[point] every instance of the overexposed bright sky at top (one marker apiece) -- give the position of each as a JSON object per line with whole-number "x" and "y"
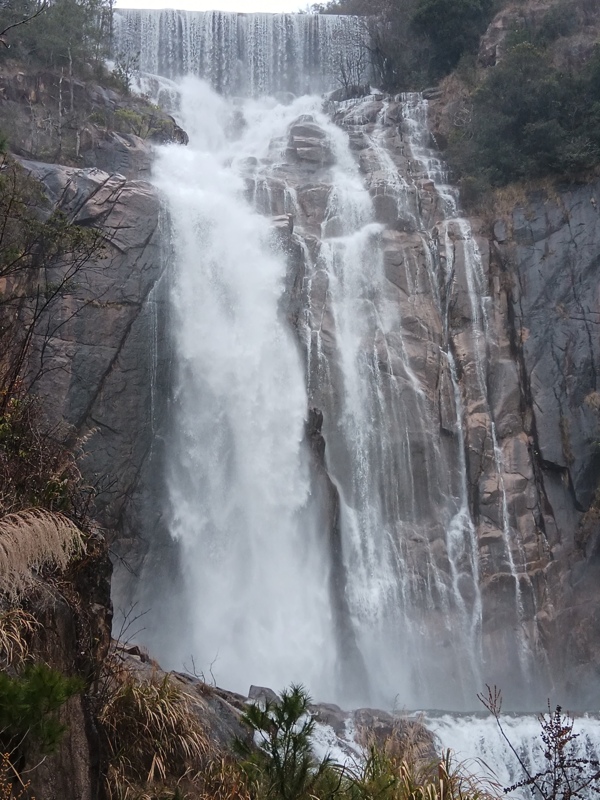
{"x": 249, "y": 6}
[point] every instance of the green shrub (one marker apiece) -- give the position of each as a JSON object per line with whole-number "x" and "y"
{"x": 284, "y": 766}
{"x": 29, "y": 708}
{"x": 453, "y": 27}
{"x": 530, "y": 120}
{"x": 558, "y": 21}
{"x": 129, "y": 121}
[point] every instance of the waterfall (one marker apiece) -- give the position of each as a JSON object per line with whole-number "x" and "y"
{"x": 254, "y": 568}
{"x": 407, "y": 592}
{"x": 319, "y": 473}
{"x": 242, "y": 54}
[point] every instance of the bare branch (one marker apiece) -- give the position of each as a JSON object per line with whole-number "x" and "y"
{"x": 24, "y": 21}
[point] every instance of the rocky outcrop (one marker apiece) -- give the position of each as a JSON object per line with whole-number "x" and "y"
{"x": 308, "y": 142}
{"x": 47, "y": 116}
{"x": 101, "y": 348}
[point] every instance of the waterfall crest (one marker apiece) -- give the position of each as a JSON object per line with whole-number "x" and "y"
{"x": 242, "y": 54}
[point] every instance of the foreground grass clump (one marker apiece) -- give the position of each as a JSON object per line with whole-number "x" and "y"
{"x": 392, "y": 778}
{"x": 285, "y": 768}
{"x": 159, "y": 750}
{"x": 152, "y": 736}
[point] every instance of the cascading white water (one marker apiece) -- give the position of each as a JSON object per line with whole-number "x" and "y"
{"x": 498, "y": 756}
{"x": 395, "y": 484}
{"x": 264, "y": 588}
{"x": 242, "y": 54}
{"x": 256, "y": 561}
{"x": 476, "y": 741}
{"x": 255, "y": 571}
{"x": 456, "y": 233}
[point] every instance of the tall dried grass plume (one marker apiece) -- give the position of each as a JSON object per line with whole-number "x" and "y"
{"x": 16, "y": 626}
{"x": 32, "y": 540}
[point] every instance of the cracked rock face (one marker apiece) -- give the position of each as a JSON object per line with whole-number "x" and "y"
{"x": 553, "y": 257}
{"x": 100, "y": 355}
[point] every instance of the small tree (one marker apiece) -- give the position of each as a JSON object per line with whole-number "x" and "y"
{"x": 40, "y": 258}
{"x": 29, "y": 710}
{"x": 127, "y": 65}
{"x": 42, "y": 253}
{"x": 284, "y": 766}
{"x": 352, "y": 70}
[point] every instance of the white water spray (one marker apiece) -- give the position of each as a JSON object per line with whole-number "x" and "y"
{"x": 476, "y": 741}
{"x": 255, "y": 572}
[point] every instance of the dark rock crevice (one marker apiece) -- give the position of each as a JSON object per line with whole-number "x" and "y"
{"x": 354, "y": 675}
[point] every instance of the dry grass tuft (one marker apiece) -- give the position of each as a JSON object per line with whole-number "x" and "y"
{"x": 16, "y": 626}
{"x": 152, "y": 736}
{"x": 410, "y": 741}
{"x": 388, "y": 777}
{"x": 224, "y": 780}
{"x": 592, "y": 401}
{"x": 31, "y": 540}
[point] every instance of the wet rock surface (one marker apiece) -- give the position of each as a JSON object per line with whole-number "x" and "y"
{"x": 553, "y": 258}
{"x": 527, "y": 385}
{"x": 50, "y": 117}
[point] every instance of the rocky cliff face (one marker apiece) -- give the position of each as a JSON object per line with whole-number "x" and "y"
{"x": 551, "y": 253}
{"x": 101, "y": 347}
{"x": 517, "y": 309}
{"x": 515, "y": 407}
{"x": 73, "y": 613}
{"x": 48, "y": 116}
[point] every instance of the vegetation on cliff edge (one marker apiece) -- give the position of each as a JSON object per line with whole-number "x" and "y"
{"x": 534, "y": 113}
{"x": 528, "y": 119}
{"x": 416, "y": 42}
